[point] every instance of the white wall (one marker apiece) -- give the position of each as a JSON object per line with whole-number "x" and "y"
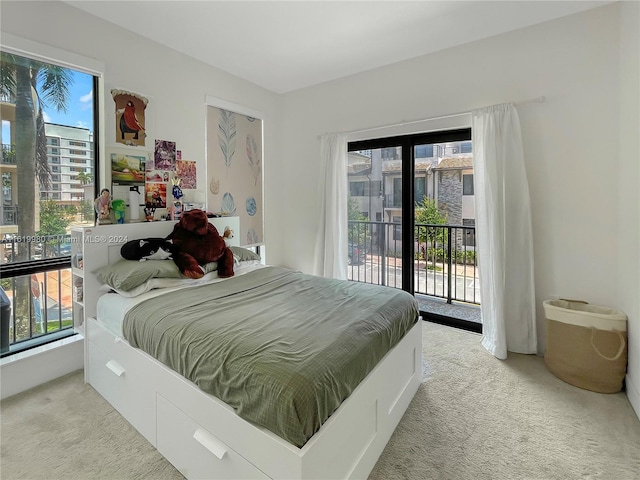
{"x": 628, "y": 273}
{"x": 572, "y": 144}
{"x": 176, "y": 86}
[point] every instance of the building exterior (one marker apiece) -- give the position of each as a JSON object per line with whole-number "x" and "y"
{"x": 442, "y": 173}
{"x": 70, "y": 153}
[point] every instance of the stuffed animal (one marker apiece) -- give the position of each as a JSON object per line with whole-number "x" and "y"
{"x": 197, "y": 242}
{"x": 147, "y": 249}
{"x": 227, "y": 235}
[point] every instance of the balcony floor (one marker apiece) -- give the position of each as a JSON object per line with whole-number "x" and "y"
{"x": 458, "y": 314}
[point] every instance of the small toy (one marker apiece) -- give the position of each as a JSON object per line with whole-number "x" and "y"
{"x": 149, "y": 212}
{"x": 119, "y": 207}
{"x": 102, "y": 206}
{"x": 227, "y": 235}
{"x": 176, "y": 191}
{"x": 147, "y": 249}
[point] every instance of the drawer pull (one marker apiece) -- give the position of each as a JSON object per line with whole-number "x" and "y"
{"x": 115, "y": 367}
{"x": 209, "y": 442}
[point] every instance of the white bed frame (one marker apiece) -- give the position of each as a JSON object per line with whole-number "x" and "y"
{"x": 201, "y": 435}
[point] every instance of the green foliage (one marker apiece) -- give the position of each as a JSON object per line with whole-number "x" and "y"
{"x": 85, "y": 178}
{"x": 354, "y": 211}
{"x": 459, "y": 257}
{"x": 357, "y": 231}
{"x": 86, "y": 210}
{"x": 55, "y": 218}
{"x": 427, "y": 213}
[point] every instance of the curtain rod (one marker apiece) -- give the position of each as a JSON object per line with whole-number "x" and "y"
{"x": 540, "y": 99}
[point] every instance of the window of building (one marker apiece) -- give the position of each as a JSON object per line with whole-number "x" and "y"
{"x": 77, "y": 144}
{"x": 469, "y": 233}
{"x": 76, "y": 152}
{"x": 356, "y": 189}
{"x": 37, "y": 220}
{"x": 424, "y": 151}
{"x": 467, "y": 184}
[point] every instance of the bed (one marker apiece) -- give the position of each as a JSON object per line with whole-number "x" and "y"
{"x": 217, "y": 422}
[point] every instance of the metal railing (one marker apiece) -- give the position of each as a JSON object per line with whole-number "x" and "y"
{"x": 39, "y": 306}
{"x": 37, "y": 291}
{"x": 8, "y": 154}
{"x": 445, "y": 263}
{"x": 37, "y": 247}
{"x": 9, "y": 214}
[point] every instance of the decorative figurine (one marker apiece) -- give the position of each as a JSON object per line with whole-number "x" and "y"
{"x": 119, "y": 207}
{"x": 102, "y": 206}
{"x": 149, "y": 212}
{"x": 176, "y": 191}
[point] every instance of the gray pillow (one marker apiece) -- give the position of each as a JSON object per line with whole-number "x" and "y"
{"x": 128, "y": 274}
{"x": 244, "y": 254}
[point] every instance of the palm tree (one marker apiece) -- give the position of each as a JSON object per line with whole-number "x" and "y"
{"x": 85, "y": 178}
{"x": 20, "y": 78}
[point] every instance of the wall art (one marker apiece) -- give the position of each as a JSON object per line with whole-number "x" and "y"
{"x": 130, "y": 118}
{"x": 234, "y": 166}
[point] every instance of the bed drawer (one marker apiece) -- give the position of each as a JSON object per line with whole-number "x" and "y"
{"x": 123, "y": 384}
{"x": 101, "y": 337}
{"x": 194, "y": 451}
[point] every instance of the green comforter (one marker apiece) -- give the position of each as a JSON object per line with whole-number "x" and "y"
{"x": 283, "y": 348}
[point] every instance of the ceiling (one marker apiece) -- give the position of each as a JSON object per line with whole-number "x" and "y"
{"x": 288, "y": 45}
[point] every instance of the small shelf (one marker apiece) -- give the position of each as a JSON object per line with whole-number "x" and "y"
{"x": 78, "y": 272}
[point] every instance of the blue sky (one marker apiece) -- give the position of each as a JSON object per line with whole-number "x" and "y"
{"x": 79, "y": 106}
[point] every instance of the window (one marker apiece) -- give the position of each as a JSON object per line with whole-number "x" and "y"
{"x": 77, "y": 144}
{"x": 38, "y": 215}
{"x": 467, "y": 184}
{"x": 424, "y": 151}
{"x": 356, "y": 189}
{"x": 420, "y": 188}
{"x": 409, "y": 168}
{"x": 76, "y": 152}
{"x": 469, "y": 233}
{"x": 397, "y": 227}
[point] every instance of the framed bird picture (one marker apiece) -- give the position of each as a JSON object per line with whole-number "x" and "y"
{"x": 130, "y": 118}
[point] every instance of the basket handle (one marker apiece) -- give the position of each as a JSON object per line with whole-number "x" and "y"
{"x": 623, "y": 344}
{"x": 574, "y": 301}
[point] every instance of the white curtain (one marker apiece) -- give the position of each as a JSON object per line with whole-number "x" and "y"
{"x": 331, "y": 242}
{"x": 504, "y": 234}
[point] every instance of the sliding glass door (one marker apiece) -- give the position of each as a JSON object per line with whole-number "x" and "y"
{"x": 411, "y": 215}
{"x": 376, "y": 216}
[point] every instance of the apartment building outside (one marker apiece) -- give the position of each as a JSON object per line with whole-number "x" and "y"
{"x": 442, "y": 172}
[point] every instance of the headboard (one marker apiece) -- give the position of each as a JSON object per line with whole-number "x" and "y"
{"x": 100, "y": 245}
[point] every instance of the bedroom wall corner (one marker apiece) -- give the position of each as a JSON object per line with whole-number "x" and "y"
{"x": 628, "y": 196}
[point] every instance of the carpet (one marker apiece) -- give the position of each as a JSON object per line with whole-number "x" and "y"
{"x": 473, "y": 417}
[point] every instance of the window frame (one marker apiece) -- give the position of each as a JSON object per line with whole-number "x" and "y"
{"x": 16, "y": 45}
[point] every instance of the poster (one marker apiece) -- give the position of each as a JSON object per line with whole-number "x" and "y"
{"x": 130, "y": 118}
{"x": 186, "y": 172}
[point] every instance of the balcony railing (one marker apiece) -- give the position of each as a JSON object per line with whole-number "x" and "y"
{"x": 445, "y": 263}
{"x": 36, "y": 292}
{"x": 8, "y": 154}
{"x": 38, "y": 308}
{"x": 9, "y": 214}
{"x": 37, "y": 248}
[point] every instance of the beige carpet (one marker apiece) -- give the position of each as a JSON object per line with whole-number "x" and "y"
{"x": 474, "y": 417}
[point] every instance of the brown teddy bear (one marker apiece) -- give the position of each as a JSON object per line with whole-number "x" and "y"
{"x": 197, "y": 242}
